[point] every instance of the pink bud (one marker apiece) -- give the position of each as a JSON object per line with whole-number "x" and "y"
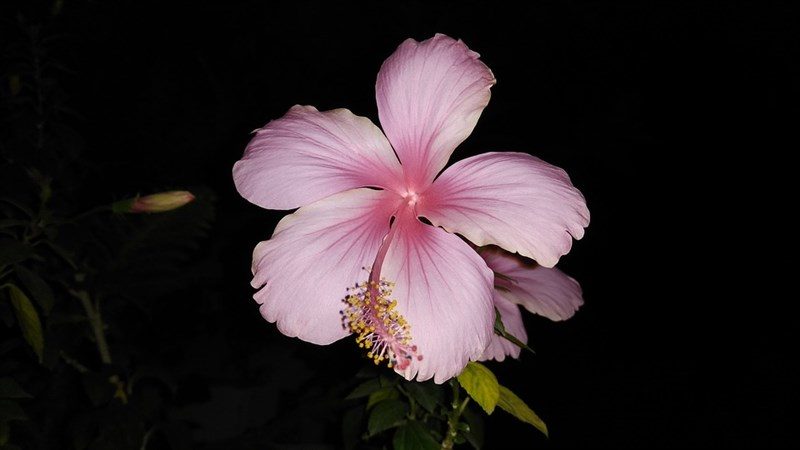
{"x": 161, "y": 202}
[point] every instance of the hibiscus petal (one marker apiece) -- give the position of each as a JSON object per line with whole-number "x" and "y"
{"x": 307, "y": 155}
{"x": 513, "y": 200}
{"x": 512, "y": 321}
{"x": 312, "y": 258}
{"x": 547, "y": 292}
{"x": 430, "y": 95}
{"x": 444, "y": 291}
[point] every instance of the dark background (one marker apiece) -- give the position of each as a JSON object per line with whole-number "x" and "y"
{"x": 663, "y": 114}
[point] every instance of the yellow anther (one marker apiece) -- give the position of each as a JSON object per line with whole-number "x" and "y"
{"x": 371, "y": 315}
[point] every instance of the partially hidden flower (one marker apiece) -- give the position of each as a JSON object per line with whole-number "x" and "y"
{"x": 545, "y": 291}
{"x": 356, "y": 256}
{"x": 154, "y": 203}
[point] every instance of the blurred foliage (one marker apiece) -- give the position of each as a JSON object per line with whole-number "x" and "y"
{"x": 74, "y": 277}
{"x": 413, "y": 415}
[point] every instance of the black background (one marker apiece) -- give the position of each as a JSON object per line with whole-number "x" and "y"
{"x": 663, "y": 114}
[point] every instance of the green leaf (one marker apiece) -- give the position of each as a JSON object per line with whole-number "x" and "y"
{"x": 28, "y": 320}
{"x": 364, "y": 389}
{"x": 500, "y": 330}
{"x": 385, "y": 415}
{"x": 10, "y": 410}
{"x": 427, "y": 394}
{"x": 387, "y": 393}
{"x": 414, "y": 436}
{"x": 37, "y": 287}
{"x": 13, "y": 251}
{"x": 516, "y": 407}
{"x": 481, "y": 384}
{"x": 386, "y": 382}
{"x": 9, "y": 388}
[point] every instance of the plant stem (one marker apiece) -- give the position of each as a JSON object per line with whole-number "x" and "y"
{"x": 74, "y": 363}
{"x": 96, "y": 320}
{"x": 95, "y": 210}
{"x": 411, "y": 402}
{"x": 454, "y": 416}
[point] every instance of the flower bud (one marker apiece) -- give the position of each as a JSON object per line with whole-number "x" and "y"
{"x": 155, "y": 203}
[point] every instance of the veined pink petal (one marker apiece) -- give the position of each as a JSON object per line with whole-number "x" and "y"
{"x": 512, "y": 321}
{"x": 444, "y": 291}
{"x": 547, "y": 292}
{"x": 430, "y": 95}
{"x": 312, "y": 258}
{"x": 308, "y": 155}
{"x": 513, "y": 200}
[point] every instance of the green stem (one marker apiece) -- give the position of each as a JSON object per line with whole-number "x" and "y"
{"x": 74, "y": 363}
{"x": 96, "y": 320}
{"x": 454, "y": 416}
{"x": 411, "y": 402}
{"x": 95, "y": 210}
{"x": 147, "y": 436}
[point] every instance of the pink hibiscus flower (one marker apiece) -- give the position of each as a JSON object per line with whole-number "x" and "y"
{"x": 541, "y": 290}
{"x": 416, "y": 295}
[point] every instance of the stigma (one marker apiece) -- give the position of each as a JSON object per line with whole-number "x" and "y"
{"x": 370, "y": 313}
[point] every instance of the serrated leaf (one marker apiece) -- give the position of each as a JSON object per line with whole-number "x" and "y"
{"x": 514, "y": 405}
{"x": 13, "y": 251}
{"x": 364, "y": 389}
{"x": 414, "y": 436}
{"x": 481, "y": 384}
{"x": 387, "y": 393}
{"x": 10, "y": 410}
{"x": 9, "y": 388}
{"x": 501, "y": 331}
{"x": 37, "y": 287}
{"x": 385, "y": 415}
{"x": 28, "y": 320}
{"x": 427, "y": 394}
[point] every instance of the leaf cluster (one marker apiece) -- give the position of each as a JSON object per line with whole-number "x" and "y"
{"x": 412, "y": 415}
